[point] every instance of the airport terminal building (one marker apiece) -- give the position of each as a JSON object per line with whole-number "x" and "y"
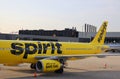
{"x": 111, "y": 37}
{"x": 66, "y": 35}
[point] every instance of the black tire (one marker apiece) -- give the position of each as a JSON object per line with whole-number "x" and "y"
{"x": 33, "y": 66}
{"x": 60, "y": 71}
{"x": 113, "y": 50}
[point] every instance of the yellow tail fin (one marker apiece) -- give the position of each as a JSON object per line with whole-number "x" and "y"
{"x": 100, "y": 36}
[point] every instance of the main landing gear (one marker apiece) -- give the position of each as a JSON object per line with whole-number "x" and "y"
{"x": 33, "y": 66}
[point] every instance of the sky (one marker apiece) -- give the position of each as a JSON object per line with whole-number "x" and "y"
{"x": 57, "y": 14}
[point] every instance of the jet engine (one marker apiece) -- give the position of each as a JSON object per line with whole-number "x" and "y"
{"x": 47, "y": 65}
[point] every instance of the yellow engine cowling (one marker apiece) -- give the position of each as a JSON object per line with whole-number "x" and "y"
{"x": 46, "y": 65}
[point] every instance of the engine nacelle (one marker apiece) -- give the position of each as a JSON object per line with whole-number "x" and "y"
{"x": 47, "y": 65}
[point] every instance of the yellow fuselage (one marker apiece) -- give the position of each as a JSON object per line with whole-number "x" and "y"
{"x": 16, "y": 51}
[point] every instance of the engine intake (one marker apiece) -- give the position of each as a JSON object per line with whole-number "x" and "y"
{"x": 46, "y": 65}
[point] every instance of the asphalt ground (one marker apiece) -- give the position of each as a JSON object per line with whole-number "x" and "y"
{"x": 89, "y": 68}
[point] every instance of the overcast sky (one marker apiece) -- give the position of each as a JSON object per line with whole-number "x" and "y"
{"x": 58, "y": 14}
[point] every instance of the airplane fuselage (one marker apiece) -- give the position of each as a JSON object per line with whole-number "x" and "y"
{"x": 14, "y": 51}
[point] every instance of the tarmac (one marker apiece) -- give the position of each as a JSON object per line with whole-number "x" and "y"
{"x": 89, "y": 68}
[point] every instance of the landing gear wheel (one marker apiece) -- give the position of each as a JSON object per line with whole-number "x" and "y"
{"x": 60, "y": 71}
{"x": 113, "y": 50}
{"x": 33, "y": 66}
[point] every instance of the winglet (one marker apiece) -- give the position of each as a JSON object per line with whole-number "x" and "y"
{"x": 100, "y": 36}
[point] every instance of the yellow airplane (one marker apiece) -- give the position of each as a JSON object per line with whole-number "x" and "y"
{"x": 50, "y": 56}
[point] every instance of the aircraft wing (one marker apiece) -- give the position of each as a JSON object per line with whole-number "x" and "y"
{"x": 81, "y": 56}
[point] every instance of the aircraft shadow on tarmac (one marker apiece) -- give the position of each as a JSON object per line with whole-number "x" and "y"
{"x": 32, "y": 71}
{"x": 72, "y": 75}
{"x": 76, "y": 75}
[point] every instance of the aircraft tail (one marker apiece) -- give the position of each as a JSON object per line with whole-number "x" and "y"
{"x": 100, "y": 36}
